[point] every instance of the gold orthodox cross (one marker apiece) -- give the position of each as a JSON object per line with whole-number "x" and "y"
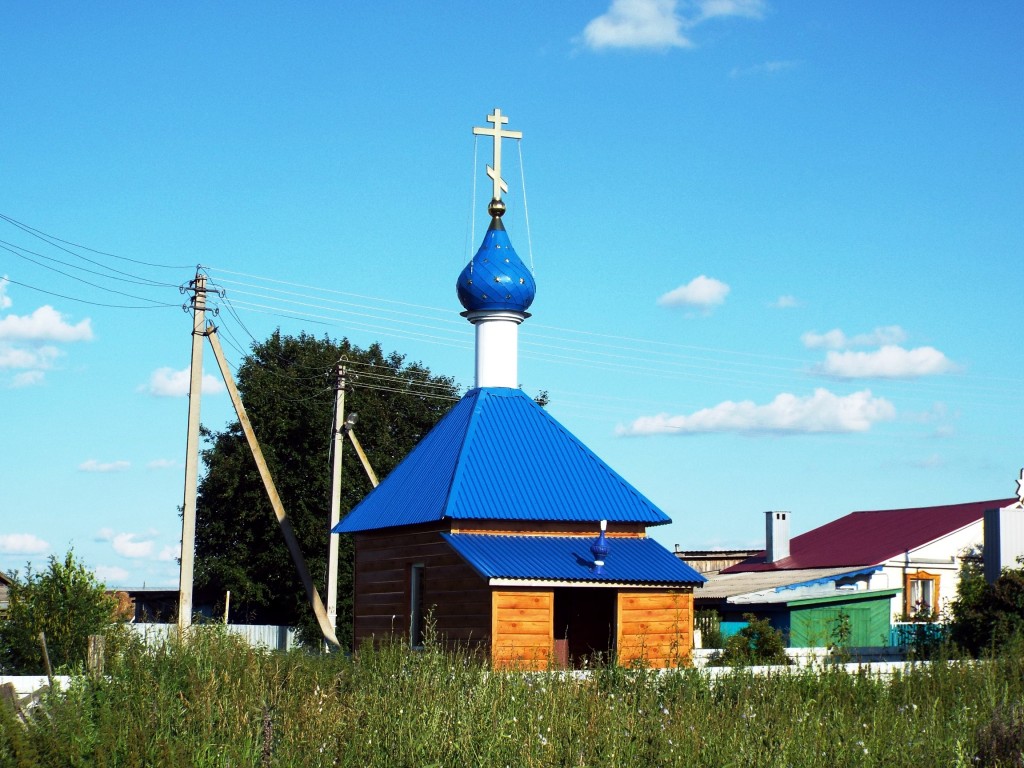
{"x": 494, "y": 171}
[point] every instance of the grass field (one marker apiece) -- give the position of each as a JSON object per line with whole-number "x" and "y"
{"x": 217, "y": 702}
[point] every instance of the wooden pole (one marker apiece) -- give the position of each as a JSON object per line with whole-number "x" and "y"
{"x": 338, "y": 436}
{"x": 227, "y": 605}
{"x": 46, "y": 658}
{"x": 188, "y": 516}
{"x": 94, "y": 659}
{"x": 362, "y": 458}
{"x": 275, "y": 499}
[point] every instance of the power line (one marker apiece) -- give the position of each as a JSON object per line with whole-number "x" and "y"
{"x": 16, "y": 249}
{"x": 154, "y": 305}
{"x": 40, "y": 234}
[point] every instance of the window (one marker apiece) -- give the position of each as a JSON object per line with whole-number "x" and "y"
{"x": 921, "y": 595}
{"x": 416, "y": 605}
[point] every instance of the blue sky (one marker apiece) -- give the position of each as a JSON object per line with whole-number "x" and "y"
{"x": 778, "y": 246}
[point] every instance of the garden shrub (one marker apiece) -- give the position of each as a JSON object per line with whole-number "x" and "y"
{"x": 757, "y": 643}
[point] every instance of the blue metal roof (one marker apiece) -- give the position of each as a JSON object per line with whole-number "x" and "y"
{"x": 497, "y": 455}
{"x": 496, "y": 277}
{"x": 568, "y": 558}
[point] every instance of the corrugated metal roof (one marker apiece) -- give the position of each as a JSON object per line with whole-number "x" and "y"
{"x": 497, "y": 455}
{"x": 568, "y": 559}
{"x": 724, "y": 585}
{"x": 872, "y": 537}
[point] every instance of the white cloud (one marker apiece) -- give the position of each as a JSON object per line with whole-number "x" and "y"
{"x": 163, "y": 464}
{"x": 167, "y": 382}
{"x": 929, "y": 462}
{"x": 125, "y": 544}
{"x": 23, "y": 340}
{"x": 170, "y": 553}
{"x": 786, "y": 414}
{"x": 889, "y": 362}
{"x": 637, "y": 24}
{"x": 45, "y": 324}
{"x": 27, "y": 379}
{"x": 764, "y": 68}
{"x": 711, "y": 9}
{"x": 110, "y": 573}
{"x": 37, "y": 358}
{"x": 836, "y": 339}
{"x": 786, "y": 302}
{"x": 92, "y": 465}
{"x": 703, "y": 292}
{"x": 22, "y": 544}
{"x": 104, "y": 534}
{"x": 659, "y": 24}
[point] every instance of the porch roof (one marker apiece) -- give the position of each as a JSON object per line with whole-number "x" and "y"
{"x": 639, "y": 561}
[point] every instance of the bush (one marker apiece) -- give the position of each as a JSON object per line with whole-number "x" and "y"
{"x": 987, "y": 616}
{"x": 67, "y": 603}
{"x": 757, "y": 643}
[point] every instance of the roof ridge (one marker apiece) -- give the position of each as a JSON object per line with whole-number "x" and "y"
{"x": 460, "y": 463}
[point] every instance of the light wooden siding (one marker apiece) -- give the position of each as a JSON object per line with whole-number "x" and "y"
{"x": 522, "y": 628}
{"x": 655, "y": 627}
{"x": 453, "y": 592}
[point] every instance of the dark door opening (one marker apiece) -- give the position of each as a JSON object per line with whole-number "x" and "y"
{"x": 584, "y": 625}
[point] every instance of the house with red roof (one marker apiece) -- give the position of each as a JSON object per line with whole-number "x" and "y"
{"x": 872, "y": 566}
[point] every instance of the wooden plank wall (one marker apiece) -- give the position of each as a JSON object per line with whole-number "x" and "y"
{"x": 522, "y": 628}
{"x": 656, "y": 627}
{"x": 459, "y": 598}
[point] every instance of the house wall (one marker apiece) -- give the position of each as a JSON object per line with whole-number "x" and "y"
{"x": 655, "y": 626}
{"x": 522, "y": 628}
{"x": 941, "y": 557}
{"x": 453, "y": 593}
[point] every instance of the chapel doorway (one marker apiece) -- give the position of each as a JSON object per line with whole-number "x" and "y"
{"x": 584, "y": 624}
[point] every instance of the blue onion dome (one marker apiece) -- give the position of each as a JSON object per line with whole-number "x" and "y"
{"x": 496, "y": 277}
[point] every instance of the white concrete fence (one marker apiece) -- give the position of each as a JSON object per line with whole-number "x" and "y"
{"x": 270, "y": 636}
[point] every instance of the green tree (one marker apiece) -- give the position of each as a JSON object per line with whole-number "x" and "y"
{"x": 66, "y": 602}
{"x": 287, "y": 386}
{"x": 987, "y": 615}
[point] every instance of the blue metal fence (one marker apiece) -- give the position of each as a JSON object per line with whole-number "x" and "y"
{"x": 919, "y": 633}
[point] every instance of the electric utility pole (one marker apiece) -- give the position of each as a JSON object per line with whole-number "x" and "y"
{"x": 338, "y": 434}
{"x": 188, "y": 518}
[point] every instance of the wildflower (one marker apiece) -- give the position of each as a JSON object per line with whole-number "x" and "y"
{"x": 543, "y": 741}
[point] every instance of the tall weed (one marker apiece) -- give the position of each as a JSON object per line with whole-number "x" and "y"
{"x": 213, "y": 701}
